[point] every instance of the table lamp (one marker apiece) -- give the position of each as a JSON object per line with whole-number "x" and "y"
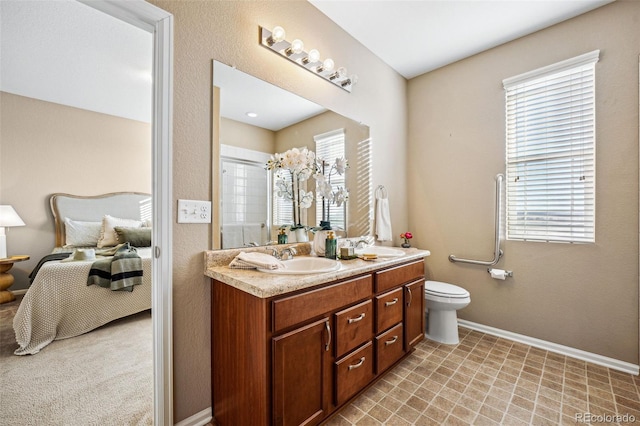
{"x": 8, "y": 218}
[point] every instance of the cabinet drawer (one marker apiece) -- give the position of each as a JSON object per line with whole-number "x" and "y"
{"x": 353, "y": 326}
{"x": 389, "y": 309}
{"x": 402, "y": 274}
{"x": 389, "y": 347}
{"x": 293, "y": 310}
{"x": 353, "y": 373}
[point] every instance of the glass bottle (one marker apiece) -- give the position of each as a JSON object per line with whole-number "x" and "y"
{"x": 330, "y": 245}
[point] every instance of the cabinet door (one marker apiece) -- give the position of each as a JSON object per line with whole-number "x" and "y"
{"x": 413, "y": 313}
{"x": 302, "y": 374}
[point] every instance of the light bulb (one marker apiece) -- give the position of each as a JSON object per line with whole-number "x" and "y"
{"x": 340, "y": 73}
{"x": 296, "y": 47}
{"x": 328, "y": 65}
{"x": 277, "y": 35}
{"x": 313, "y": 57}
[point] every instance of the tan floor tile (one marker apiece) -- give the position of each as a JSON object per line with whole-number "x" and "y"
{"x": 486, "y": 380}
{"x": 379, "y": 413}
{"x": 436, "y": 413}
{"x": 408, "y": 413}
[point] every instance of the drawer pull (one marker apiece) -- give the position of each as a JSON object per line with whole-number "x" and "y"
{"x": 328, "y": 328}
{"x": 392, "y": 341}
{"x": 357, "y": 365}
{"x": 392, "y": 302}
{"x": 410, "y": 297}
{"x": 356, "y": 319}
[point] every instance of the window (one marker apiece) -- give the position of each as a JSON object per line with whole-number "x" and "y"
{"x": 282, "y": 206}
{"x": 329, "y": 146}
{"x": 550, "y": 129}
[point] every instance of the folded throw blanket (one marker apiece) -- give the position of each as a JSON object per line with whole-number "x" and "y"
{"x": 121, "y": 271}
{"x": 253, "y": 260}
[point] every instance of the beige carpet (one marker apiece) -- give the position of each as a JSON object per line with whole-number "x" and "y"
{"x": 104, "y": 377}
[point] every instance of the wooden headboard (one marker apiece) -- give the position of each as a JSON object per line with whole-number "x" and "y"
{"x": 126, "y": 205}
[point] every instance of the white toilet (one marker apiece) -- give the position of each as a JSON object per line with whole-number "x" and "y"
{"x": 442, "y": 300}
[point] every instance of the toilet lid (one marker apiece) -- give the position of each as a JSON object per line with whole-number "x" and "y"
{"x": 438, "y": 288}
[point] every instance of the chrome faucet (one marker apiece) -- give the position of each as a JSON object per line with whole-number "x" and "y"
{"x": 288, "y": 253}
{"x": 285, "y": 254}
{"x": 365, "y": 243}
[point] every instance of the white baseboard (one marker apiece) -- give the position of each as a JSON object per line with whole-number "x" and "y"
{"x": 199, "y": 419}
{"x": 604, "y": 361}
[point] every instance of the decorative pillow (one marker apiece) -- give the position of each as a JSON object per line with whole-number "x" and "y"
{"x": 137, "y": 237}
{"x": 108, "y": 236}
{"x": 81, "y": 234}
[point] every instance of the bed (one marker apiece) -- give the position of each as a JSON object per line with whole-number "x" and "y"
{"x": 59, "y": 304}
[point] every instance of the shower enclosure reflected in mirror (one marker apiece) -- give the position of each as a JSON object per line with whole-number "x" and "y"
{"x": 254, "y": 119}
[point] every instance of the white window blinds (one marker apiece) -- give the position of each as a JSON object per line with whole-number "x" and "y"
{"x": 550, "y": 155}
{"x": 329, "y": 146}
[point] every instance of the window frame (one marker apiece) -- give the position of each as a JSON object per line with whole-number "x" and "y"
{"x": 550, "y": 123}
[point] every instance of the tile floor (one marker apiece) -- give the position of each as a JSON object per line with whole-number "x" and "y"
{"x": 486, "y": 380}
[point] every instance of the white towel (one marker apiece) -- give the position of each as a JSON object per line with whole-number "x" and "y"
{"x": 253, "y": 260}
{"x": 383, "y": 218}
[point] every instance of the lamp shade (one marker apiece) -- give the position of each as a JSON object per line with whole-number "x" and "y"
{"x": 9, "y": 217}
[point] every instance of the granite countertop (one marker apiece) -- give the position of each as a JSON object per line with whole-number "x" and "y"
{"x": 266, "y": 285}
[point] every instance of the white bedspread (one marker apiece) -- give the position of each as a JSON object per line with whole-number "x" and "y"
{"x": 59, "y": 304}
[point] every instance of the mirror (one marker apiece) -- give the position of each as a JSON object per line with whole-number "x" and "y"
{"x": 254, "y": 119}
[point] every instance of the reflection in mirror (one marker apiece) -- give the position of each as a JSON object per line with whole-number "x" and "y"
{"x": 256, "y": 119}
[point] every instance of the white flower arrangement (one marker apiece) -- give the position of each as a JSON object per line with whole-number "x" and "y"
{"x": 325, "y": 189}
{"x": 301, "y": 164}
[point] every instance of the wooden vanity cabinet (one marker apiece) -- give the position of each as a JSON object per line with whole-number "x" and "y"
{"x": 301, "y": 374}
{"x": 414, "y": 316}
{"x": 296, "y": 358}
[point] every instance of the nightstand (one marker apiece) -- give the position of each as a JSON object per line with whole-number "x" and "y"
{"x": 6, "y": 279}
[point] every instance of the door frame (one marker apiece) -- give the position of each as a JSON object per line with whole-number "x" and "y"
{"x": 160, "y": 24}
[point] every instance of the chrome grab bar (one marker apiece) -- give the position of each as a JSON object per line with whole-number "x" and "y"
{"x": 497, "y": 254}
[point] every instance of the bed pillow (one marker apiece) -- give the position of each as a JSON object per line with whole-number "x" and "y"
{"x": 108, "y": 236}
{"x": 81, "y": 234}
{"x": 137, "y": 237}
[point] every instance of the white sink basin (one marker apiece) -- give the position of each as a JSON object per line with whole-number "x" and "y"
{"x": 305, "y": 265}
{"x": 380, "y": 251}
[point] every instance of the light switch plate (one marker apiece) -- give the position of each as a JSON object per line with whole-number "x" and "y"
{"x": 194, "y": 211}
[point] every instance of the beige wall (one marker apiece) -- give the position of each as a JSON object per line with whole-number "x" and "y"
{"x": 228, "y": 31}
{"x": 47, "y": 148}
{"x": 243, "y": 135}
{"x": 356, "y": 146}
{"x": 584, "y": 295}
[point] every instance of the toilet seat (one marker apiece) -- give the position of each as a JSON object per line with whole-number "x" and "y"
{"x": 437, "y": 288}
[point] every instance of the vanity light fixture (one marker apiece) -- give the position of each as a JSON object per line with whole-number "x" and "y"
{"x": 275, "y": 40}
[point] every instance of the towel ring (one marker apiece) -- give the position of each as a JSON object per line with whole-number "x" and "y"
{"x": 381, "y": 192}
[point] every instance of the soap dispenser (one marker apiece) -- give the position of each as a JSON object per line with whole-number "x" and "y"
{"x": 282, "y": 237}
{"x": 330, "y": 245}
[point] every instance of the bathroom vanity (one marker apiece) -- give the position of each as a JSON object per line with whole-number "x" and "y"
{"x": 293, "y": 349}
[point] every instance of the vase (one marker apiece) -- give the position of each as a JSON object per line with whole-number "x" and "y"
{"x": 405, "y": 245}
{"x": 301, "y": 235}
{"x": 325, "y": 225}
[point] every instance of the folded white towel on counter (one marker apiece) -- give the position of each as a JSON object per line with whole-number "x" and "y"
{"x": 383, "y": 218}
{"x": 253, "y": 260}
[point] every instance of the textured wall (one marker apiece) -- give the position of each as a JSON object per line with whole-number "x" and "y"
{"x": 580, "y": 295}
{"x": 228, "y": 31}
